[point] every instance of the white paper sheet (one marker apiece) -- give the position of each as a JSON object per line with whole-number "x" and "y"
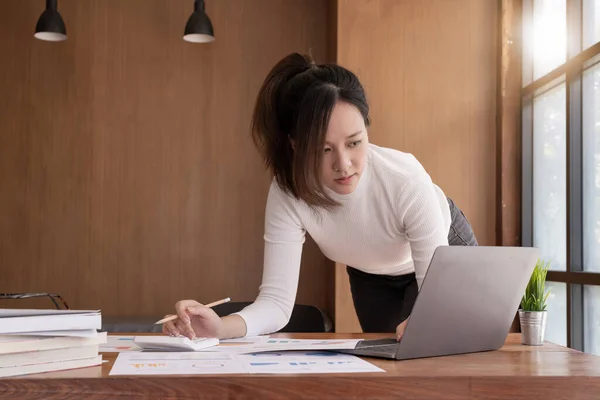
{"x": 180, "y": 363}
{"x": 311, "y": 362}
{"x": 247, "y": 339}
{"x": 117, "y": 344}
{"x": 277, "y": 344}
{"x": 198, "y": 363}
{"x": 245, "y": 345}
{"x": 239, "y": 345}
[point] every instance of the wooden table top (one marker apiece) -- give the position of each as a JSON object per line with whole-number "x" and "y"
{"x": 515, "y": 371}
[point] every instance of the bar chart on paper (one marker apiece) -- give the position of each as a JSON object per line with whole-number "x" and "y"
{"x": 175, "y": 363}
{"x": 297, "y": 362}
{"x": 197, "y": 363}
{"x": 270, "y": 345}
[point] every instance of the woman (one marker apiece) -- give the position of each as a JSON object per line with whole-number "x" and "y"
{"x": 374, "y": 209}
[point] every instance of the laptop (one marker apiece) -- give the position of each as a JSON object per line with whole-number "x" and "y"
{"x": 466, "y": 304}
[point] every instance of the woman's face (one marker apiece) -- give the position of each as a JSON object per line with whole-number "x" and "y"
{"x": 345, "y": 149}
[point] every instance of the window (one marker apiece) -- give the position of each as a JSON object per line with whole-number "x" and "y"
{"x": 549, "y": 175}
{"x": 592, "y": 319}
{"x": 556, "y": 324}
{"x": 561, "y": 161}
{"x": 549, "y": 35}
{"x": 591, "y": 22}
{"x": 591, "y": 168}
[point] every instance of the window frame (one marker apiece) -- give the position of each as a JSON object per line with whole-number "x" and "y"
{"x": 571, "y": 72}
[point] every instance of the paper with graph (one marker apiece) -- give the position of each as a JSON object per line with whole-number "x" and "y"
{"x": 250, "y": 355}
{"x": 123, "y": 343}
{"x": 279, "y": 344}
{"x": 176, "y": 363}
{"x": 308, "y": 362}
{"x": 199, "y": 362}
{"x": 119, "y": 343}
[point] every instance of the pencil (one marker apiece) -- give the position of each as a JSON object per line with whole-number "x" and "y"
{"x": 174, "y": 317}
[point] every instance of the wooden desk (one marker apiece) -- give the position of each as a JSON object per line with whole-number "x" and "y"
{"x": 513, "y": 372}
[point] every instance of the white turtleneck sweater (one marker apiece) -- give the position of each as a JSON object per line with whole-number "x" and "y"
{"x": 390, "y": 224}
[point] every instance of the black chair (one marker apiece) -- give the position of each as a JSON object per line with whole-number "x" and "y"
{"x": 304, "y": 318}
{"x": 133, "y": 324}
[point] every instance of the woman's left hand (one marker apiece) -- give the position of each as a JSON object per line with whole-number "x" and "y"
{"x": 400, "y": 329}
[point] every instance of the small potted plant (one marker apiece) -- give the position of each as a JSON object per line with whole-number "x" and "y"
{"x": 533, "y": 314}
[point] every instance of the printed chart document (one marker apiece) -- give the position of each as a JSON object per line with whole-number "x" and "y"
{"x": 310, "y": 362}
{"x": 122, "y": 343}
{"x": 248, "y": 355}
{"x": 117, "y": 344}
{"x": 278, "y": 344}
{"x": 198, "y": 363}
{"x": 239, "y": 345}
{"x": 170, "y": 363}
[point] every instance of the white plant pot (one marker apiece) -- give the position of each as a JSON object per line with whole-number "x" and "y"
{"x": 533, "y": 327}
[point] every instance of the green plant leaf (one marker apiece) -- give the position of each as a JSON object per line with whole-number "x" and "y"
{"x": 535, "y": 298}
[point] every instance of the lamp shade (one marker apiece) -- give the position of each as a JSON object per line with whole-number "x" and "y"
{"x": 50, "y": 25}
{"x": 199, "y": 29}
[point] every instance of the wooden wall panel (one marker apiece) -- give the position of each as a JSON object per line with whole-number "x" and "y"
{"x": 128, "y": 180}
{"x": 429, "y": 69}
{"x": 509, "y": 144}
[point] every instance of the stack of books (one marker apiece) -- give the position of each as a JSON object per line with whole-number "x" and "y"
{"x": 36, "y": 341}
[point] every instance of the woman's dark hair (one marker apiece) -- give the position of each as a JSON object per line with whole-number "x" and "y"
{"x": 294, "y": 104}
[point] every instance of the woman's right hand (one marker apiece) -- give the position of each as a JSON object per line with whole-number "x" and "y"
{"x": 194, "y": 321}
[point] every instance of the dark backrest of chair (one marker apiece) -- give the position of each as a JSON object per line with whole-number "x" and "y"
{"x": 304, "y": 318}
{"x": 131, "y": 324}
